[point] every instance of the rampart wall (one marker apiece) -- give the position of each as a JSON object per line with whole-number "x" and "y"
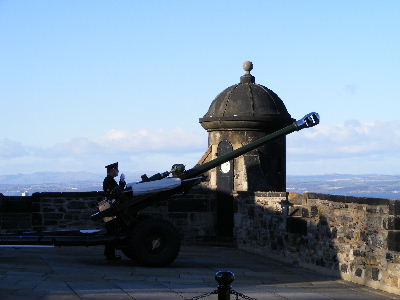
{"x": 355, "y": 238}
{"x": 191, "y": 213}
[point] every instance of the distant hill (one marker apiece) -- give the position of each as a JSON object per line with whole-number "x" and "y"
{"x": 377, "y": 186}
{"x": 59, "y": 177}
{"x": 49, "y": 177}
{"x": 18, "y": 184}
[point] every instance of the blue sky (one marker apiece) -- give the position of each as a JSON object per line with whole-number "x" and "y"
{"x": 86, "y": 83}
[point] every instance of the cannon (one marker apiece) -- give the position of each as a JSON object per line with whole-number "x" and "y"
{"x": 140, "y": 195}
{"x": 147, "y": 240}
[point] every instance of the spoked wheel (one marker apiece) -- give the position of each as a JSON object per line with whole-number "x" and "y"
{"x": 153, "y": 242}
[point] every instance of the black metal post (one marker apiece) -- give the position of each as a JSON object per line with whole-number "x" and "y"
{"x": 224, "y": 279}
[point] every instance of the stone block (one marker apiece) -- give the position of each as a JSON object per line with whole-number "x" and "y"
{"x": 76, "y": 205}
{"x": 394, "y": 207}
{"x": 35, "y": 206}
{"x": 372, "y": 210}
{"x": 61, "y": 209}
{"x": 319, "y": 261}
{"x": 296, "y": 198}
{"x": 345, "y": 219}
{"x": 251, "y": 211}
{"x": 92, "y": 204}
{"x": 185, "y": 205}
{"x": 359, "y": 253}
{"x": 393, "y": 258}
{"x": 179, "y": 216}
{"x": 46, "y": 200}
{"x": 48, "y": 209}
{"x": 375, "y": 274}
{"x": 393, "y": 241}
{"x": 59, "y": 200}
{"x": 296, "y": 211}
{"x": 52, "y": 216}
{"x": 393, "y": 223}
{"x": 201, "y": 218}
{"x": 16, "y": 204}
{"x": 389, "y": 257}
{"x": 314, "y": 211}
{"x": 36, "y": 219}
{"x": 296, "y": 225}
{"x": 282, "y": 195}
{"x": 392, "y": 281}
{"x": 344, "y": 268}
{"x": 16, "y": 221}
{"x": 333, "y": 234}
{"x": 38, "y": 228}
{"x": 50, "y": 222}
{"x": 371, "y": 260}
{"x": 305, "y": 213}
{"x": 358, "y": 272}
{"x": 315, "y": 196}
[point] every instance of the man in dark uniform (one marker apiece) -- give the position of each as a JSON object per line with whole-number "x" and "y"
{"x": 110, "y": 186}
{"x": 112, "y": 190}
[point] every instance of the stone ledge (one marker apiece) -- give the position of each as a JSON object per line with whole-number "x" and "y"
{"x": 68, "y": 194}
{"x": 371, "y": 283}
{"x": 262, "y": 194}
{"x": 349, "y": 199}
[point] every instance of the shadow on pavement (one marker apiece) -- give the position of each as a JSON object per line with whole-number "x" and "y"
{"x": 82, "y": 273}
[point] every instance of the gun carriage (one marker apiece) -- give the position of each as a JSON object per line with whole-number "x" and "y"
{"x": 148, "y": 241}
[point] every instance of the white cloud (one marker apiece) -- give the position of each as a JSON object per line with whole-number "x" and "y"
{"x": 143, "y": 149}
{"x": 121, "y": 141}
{"x": 11, "y": 149}
{"x": 176, "y": 139}
{"x": 351, "y": 139}
{"x": 352, "y": 147}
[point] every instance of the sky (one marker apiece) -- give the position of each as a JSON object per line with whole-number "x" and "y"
{"x": 87, "y": 83}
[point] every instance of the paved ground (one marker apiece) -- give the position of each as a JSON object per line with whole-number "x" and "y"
{"x": 82, "y": 273}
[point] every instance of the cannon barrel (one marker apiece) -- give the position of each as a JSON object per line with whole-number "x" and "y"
{"x": 307, "y": 121}
{"x": 191, "y": 177}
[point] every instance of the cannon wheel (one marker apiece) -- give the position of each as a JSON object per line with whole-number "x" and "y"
{"x": 153, "y": 242}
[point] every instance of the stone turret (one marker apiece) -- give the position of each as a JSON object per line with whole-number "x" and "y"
{"x": 238, "y": 115}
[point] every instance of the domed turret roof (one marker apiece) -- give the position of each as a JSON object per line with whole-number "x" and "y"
{"x": 246, "y": 105}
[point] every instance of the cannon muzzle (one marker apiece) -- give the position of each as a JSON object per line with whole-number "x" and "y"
{"x": 309, "y": 120}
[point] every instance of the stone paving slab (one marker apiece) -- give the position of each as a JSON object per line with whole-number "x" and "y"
{"x": 98, "y": 290}
{"x": 142, "y": 290}
{"x": 81, "y": 273}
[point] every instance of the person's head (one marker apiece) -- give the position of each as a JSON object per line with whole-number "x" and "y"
{"x": 112, "y": 170}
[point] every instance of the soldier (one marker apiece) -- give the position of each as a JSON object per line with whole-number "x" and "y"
{"x": 110, "y": 186}
{"x": 112, "y": 190}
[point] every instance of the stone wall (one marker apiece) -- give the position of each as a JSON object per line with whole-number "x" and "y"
{"x": 48, "y": 211}
{"x": 356, "y": 238}
{"x": 192, "y": 213}
{"x": 16, "y": 213}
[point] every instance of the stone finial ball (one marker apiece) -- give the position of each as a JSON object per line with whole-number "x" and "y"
{"x": 247, "y": 66}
